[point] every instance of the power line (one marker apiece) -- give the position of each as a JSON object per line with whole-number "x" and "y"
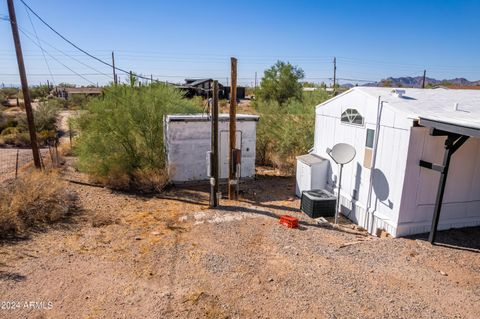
{"x": 25, "y": 34}
{"x": 80, "y": 49}
{"x": 43, "y": 53}
{"x": 71, "y": 57}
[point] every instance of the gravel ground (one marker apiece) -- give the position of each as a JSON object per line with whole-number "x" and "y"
{"x": 169, "y": 256}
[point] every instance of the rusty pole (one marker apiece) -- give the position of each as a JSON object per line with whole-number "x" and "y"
{"x": 23, "y": 80}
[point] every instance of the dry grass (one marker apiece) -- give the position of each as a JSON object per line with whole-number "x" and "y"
{"x": 65, "y": 149}
{"x": 35, "y": 199}
{"x": 142, "y": 180}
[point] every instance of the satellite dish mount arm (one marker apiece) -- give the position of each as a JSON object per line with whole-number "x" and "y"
{"x": 337, "y": 209}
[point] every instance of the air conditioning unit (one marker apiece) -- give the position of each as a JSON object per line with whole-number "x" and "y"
{"x": 318, "y": 203}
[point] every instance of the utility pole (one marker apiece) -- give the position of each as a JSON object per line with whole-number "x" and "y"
{"x": 214, "y": 146}
{"x": 424, "y": 77}
{"x": 113, "y": 68}
{"x": 334, "y": 75}
{"x": 233, "y": 129}
{"x": 255, "y": 80}
{"x": 23, "y": 80}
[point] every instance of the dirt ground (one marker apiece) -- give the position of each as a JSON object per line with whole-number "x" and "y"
{"x": 169, "y": 256}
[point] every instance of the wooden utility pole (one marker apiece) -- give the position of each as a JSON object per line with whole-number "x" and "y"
{"x": 334, "y": 75}
{"x": 233, "y": 129}
{"x": 424, "y": 78}
{"x": 23, "y": 79}
{"x": 214, "y": 148}
{"x": 255, "y": 80}
{"x": 113, "y": 68}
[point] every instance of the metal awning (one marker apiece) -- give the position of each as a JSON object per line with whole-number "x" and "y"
{"x": 456, "y": 136}
{"x": 450, "y": 127}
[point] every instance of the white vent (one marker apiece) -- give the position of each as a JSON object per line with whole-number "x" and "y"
{"x": 397, "y": 92}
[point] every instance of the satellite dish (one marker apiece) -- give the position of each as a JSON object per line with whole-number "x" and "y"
{"x": 342, "y": 153}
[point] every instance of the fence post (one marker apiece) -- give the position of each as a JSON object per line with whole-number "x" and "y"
{"x": 16, "y": 164}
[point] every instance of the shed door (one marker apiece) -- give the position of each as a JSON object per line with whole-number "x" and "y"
{"x": 224, "y": 151}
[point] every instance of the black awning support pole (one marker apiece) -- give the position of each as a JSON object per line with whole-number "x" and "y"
{"x": 452, "y": 144}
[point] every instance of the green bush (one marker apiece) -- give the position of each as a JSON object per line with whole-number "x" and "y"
{"x": 46, "y": 116}
{"x": 3, "y": 121}
{"x": 39, "y": 91}
{"x": 78, "y": 101}
{"x": 286, "y": 131}
{"x": 120, "y": 141}
{"x": 58, "y": 103}
{"x": 281, "y": 83}
{"x": 9, "y": 130}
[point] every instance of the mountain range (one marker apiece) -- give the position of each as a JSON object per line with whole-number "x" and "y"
{"x": 416, "y": 82}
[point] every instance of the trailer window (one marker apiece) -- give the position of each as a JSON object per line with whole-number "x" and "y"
{"x": 351, "y": 116}
{"x": 368, "y": 156}
{"x": 370, "y": 138}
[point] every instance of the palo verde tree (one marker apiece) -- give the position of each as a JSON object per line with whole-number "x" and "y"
{"x": 121, "y": 135}
{"x": 281, "y": 82}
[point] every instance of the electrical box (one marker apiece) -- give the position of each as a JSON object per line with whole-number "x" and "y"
{"x": 311, "y": 173}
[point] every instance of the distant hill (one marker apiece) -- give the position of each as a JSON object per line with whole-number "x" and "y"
{"x": 416, "y": 82}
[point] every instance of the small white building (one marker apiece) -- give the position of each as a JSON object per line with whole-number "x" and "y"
{"x": 403, "y": 139}
{"x": 188, "y": 139}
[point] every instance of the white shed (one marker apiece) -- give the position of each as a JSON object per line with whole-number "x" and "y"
{"x": 188, "y": 138}
{"x": 403, "y": 139}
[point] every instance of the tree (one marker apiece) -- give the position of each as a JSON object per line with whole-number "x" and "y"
{"x": 386, "y": 83}
{"x": 121, "y": 136}
{"x": 281, "y": 82}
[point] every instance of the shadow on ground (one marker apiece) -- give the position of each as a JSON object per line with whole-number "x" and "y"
{"x": 467, "y": 239}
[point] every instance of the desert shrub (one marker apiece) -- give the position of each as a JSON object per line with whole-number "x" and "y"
{"x": 65, "y": 149}
{"x": 9, "y": 130}
{"x": 39, "y": 91}
{"x": 77, "y": 101}
{"x": 286, "y": 131}
{"x": 3, "y": 121}
{"x": 35, "y": 199}
{"x": 46, "y": 116}
{"x": 58, "y": 103}
{"x": 120, "y": 140}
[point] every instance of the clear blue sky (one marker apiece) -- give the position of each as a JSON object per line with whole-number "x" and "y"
{"x": 177, "y": 39}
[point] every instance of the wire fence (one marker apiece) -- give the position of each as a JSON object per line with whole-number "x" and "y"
{"x": 16, "y": 161}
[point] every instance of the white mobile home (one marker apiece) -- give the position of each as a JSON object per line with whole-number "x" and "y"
{"x": 407, "y": 142}
{"x": 187, "y": 141}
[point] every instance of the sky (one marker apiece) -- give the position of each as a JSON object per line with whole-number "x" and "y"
{"x": 174, "y": 40}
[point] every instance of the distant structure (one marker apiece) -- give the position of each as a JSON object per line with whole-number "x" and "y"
{"x": 66, "y": 93}
{"x": 202, "y": 87}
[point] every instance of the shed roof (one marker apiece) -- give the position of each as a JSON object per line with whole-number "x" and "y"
{"x": 82, "y": 90}
{"x": 436, "y": 105}
{"x": 206, "y": 117}
{"x": 192, "y": 82}
{"x": 310, "y": 159}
